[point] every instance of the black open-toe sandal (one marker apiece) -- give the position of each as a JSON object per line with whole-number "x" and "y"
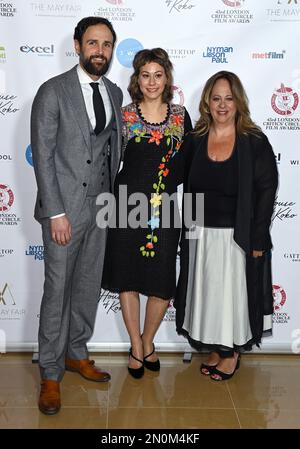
{"x": 208, "y": 368}
{"x": 225, "y": 376}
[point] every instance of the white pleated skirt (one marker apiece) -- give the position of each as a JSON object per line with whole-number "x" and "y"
{"x": 216, "y": 301}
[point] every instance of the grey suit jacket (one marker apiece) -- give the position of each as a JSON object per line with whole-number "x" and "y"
{"x": 60, "y": 141}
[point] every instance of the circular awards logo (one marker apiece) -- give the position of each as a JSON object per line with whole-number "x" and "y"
{"x": 235, "y": 4}
{"x": 28, "y": 155}
{"x": 126, "y": 51}
{"x": 284, "y": 100}
{"x": 178, "y": 95}
{"x": 115, "y": 2}
{"x": 6, "y": 198}
{"x": 279, "y": 296}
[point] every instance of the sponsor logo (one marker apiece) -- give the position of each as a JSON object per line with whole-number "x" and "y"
{"x": 28, "y": 155}
{"x": 6, "y": 296}
{"x": 179, "y": 6}
{"x": 38, "y": 50}
{"x": 232, "y": 15}
{"x": 115, "y": 2}
{"x": 5, "y": 157}
{"x": 6, "y": 252}
{"x": 236, "y": 4}
{"x": 284, "y": 210}
{"x": 109, "y": 301}
{"x": 71, "y": 54}
{"x": 8, "y": 311}
{"x": 284, "y": 11}
{"x": 37, "y": 251}
{"x": 218, "y": 54}
{"x": 56, "y": 9}
{"x": 279, "y": 300}
{"x": 6, "y": 198}
{"x": 178, "y": 96}
{"x": 282, "y": 124}
{"x": 9, "y": 219}
{"x": 279, "y": 297}
{"x": 126, "y": 51}
{"x": 295, "y": 163}
{"x": 2, "y": 54}
{"x": 6, "y": 202}
{"x": 7, "y": 105}
{"x": 284, "y": 100}
{"x": 292, "y": 257}
{"x": 117, "y": 12}
{"x": 268, "y": 55}
{"x": 7, "y": 9}
{"x": 287, "y": 2}
{"x": 180, "y": 53}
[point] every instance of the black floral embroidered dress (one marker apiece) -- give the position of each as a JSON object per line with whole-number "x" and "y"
{"x": 144, "y": 259}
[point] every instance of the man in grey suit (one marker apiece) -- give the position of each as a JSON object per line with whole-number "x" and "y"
{"x": 76, "y": 147}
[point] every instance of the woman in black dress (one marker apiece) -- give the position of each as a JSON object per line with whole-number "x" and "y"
{"x": 143, "y": 260}
{"x": 224, "y": 298}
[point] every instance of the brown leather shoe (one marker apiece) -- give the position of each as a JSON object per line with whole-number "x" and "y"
{"x": 87, "y": 369}
{"x": 49, "y": 401}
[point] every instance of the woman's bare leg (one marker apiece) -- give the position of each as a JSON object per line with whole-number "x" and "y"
{"x": 130, "y": 306}
{"x": 155, "y": 311}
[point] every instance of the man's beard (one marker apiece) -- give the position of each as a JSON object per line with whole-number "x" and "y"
{"x": 95, "y": 69}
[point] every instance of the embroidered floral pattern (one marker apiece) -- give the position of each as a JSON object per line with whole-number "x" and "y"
{"x": 172, "y": 129}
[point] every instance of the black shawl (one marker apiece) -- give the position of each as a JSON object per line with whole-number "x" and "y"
{"x": 257, "y": 187}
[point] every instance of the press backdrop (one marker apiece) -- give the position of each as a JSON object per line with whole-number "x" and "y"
{"x": 257, "y": 40}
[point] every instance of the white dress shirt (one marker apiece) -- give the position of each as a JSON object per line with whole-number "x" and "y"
{"x": 87, "y": 92}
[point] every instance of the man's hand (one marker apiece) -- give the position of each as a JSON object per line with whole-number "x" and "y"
{"x": 60, "y": 230}
{"x": 257, "y": 253}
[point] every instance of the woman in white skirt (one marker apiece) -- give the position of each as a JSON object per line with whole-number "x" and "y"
{"x": 224, "y": 297}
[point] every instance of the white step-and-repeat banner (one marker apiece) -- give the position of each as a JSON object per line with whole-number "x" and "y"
{"x": 258, "y": 40}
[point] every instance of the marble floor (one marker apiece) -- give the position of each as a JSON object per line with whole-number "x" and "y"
{"x": 264, "y": 393}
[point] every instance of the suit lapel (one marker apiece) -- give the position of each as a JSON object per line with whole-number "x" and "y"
{"x": 73, "y": 89}
{"x": 74, "y": 92}
{"x": 115, "y": 153}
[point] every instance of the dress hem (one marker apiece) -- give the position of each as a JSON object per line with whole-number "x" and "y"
{"x": 138, "y": 290}
{"x": 222, "y": 350}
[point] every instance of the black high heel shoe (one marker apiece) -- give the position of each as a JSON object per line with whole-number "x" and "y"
{"x": 225, "y": 376}
{"x": 137, "y": 373}
{"x": 152, "y": 366}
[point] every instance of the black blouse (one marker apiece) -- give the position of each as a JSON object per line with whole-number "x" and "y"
{"x": 218, "y": 181}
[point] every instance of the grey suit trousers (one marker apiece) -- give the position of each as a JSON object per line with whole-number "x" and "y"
{"x": 72, "y": 285}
